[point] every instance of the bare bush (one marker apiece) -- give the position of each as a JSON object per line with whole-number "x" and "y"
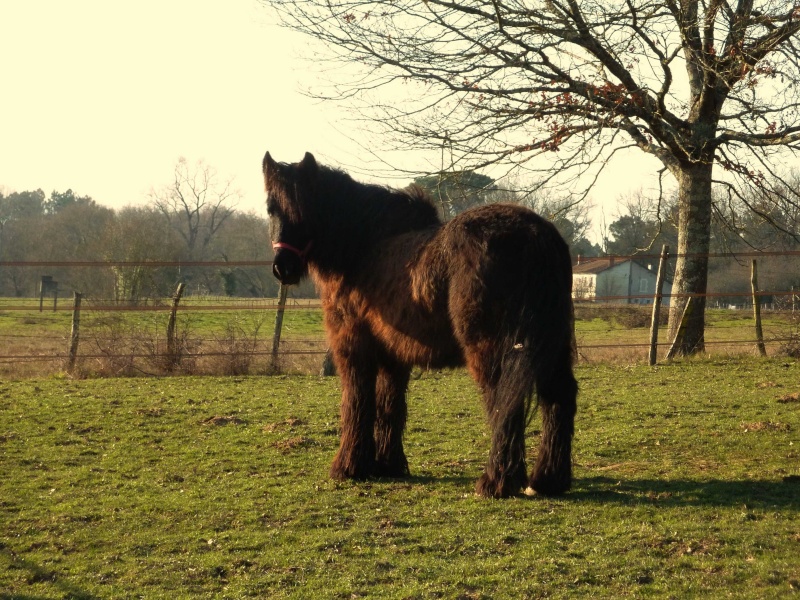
{"x": 237, "y": 347}
{"x": 791, "y": 347}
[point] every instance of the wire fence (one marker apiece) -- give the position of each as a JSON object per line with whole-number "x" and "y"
{"x": 238, "y": 335}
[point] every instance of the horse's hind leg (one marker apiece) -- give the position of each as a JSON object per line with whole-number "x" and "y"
{"x": 505, "y": 473}
{"x": 557, "y": 392}
{"x": 504, "y": 398}
{"x": 390, "y": 421}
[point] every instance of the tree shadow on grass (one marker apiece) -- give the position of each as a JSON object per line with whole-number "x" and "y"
{"x": 37, "y": 574}
{"x": 783, "y": 494}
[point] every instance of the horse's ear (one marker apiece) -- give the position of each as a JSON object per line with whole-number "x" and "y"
{"x": 309, "y": 163}
{"x": 268, "y": 165}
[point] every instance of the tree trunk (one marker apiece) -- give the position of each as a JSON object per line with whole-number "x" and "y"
{"x": 691, "y": 271}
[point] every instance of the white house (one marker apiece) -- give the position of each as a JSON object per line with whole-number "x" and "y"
{"x": 617, "y": 281}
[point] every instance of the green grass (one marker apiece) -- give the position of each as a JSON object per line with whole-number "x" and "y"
{"x": 200, "y": 314}
{"x": 686, "y": 486}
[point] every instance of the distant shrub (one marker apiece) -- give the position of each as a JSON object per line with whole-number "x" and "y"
{"x": 791, "y": 347}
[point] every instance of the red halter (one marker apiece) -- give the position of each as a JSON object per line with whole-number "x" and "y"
{"x": 301, "y": 253}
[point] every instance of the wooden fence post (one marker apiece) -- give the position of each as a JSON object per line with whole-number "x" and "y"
{"x": 328, "y": 367}
{"x": 276, "y": 338}
{"x": 172, "y": 341}
{"x": 757, "y": 308}
{"x": 72, "y": 354}
{"x": 47, "y": 286}
{"x": 662, "y": 269}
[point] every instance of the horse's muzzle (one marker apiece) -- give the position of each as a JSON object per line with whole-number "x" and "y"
{"x": 289, "y": 265}
{"x": 288, "y": 268}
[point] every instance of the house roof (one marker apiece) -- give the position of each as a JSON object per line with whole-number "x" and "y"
{"x": 593, "y": 266}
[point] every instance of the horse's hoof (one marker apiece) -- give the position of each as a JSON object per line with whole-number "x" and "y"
{"x": 549, "y": 486}
{"x": 393, "y": 470}
{"x": 487, "y": 487}
{"x": 358, "y": 472}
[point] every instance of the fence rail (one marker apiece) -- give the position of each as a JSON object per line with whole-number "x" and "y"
{"x": 237, "y": 335}
{"x": 268, "y": 263}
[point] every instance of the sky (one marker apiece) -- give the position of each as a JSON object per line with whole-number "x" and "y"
{"x": 104, "y": 97}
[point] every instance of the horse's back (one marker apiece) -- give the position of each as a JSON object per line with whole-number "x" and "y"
{"x": 508, "y": 269}
{"x": 504, "y": 227}
{"x": 507, "y": 243}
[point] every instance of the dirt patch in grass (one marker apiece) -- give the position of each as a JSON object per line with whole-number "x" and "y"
{"x": 766, "y": 426}
{"x": 289, "y": 423}
{"x": 220, "y": 420}
{"x": 293, "y": 443}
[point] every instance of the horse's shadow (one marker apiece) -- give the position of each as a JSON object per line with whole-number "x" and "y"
{"x": 780, "y": 494}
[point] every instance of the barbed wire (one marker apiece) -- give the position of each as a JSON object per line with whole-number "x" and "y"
{"x": 60, "y": 357}
{"x": 245, "y": 306}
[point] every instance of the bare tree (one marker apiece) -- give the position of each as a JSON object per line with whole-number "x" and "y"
{"x": 693, "y": 84}
{"x": 196, "y": 204}
{"x": 130, "y": 238}
{"x": 570, "y": 217}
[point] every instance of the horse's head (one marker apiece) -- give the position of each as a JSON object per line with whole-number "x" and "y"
{"x": 290, "y": 189}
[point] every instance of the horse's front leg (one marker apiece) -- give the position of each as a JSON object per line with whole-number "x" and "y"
{"x": 390, "y": 422}
{"x": 357, "y": 366}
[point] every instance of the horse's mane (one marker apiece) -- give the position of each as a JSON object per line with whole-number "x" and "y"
{"x": 370, "y": 212}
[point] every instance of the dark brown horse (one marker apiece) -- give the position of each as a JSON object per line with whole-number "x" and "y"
{"x": 490, "y": 289}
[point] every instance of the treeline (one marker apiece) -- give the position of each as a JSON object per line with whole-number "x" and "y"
{"x": 195, "y": 219}
{"x": 192, "y": 219}
{"x": 741, "y": 224}
{"x": 67, "y": 227}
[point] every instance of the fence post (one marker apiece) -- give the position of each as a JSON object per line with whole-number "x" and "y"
{"x": 276, "y": 338}
{"x": 662, "y": 268}
{"x": 74, "y": 336}
{"x": 172, "y": 341}
{"x": 757, "y": 308}
{"x": 328, "y": 367}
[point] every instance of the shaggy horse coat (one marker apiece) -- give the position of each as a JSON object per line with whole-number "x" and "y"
{"x": 490, "y": 289}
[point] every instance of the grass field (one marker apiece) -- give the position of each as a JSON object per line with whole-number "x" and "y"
{"x": 687, "y": 486}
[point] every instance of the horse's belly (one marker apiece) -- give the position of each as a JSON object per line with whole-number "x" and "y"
{"x": 436, "y": 356}
{"x": 422, "y": 343}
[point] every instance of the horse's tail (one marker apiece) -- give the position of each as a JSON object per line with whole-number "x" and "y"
{"x": 511, "y": 289}
{"x": 539, "y": 341}
{"x": 534, "y": 371}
